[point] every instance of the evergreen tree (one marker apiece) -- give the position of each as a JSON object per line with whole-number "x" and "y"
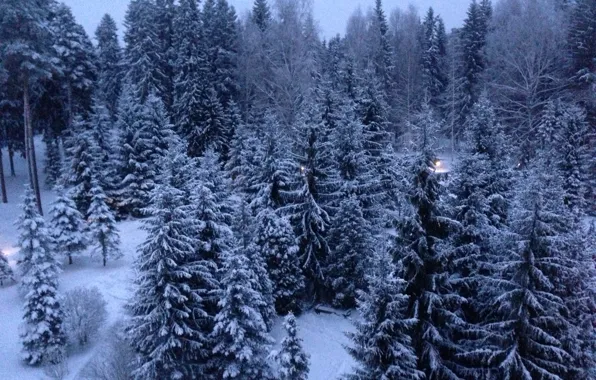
{"x": 143, "y": 53}
{"x": 261, "y": 15}
{"x": 102, "y": 128}
{"x": 433, "y": 57}
{"x": 582, "y": 41}
{"x": 211, "y": 128}
{"x": 275, "y": 239}
{"x": 76, "y": 58}
{"x": 33, "y": 236}
{"x": 136, "y": 172}
{"x": 109, "y": 64}
{"x": 6, "y": 272}
{"x": 351, "y": 239}
{"x": 81, "y": 165}
{"x": 166, "y": 328}
{"x": 53, "y": 164}
{"x": 574, "y": 158}
{"x": 292, "y": 359}
{"x": 67, "y": 226}
{"x": 240, "y": 332}
{"x": 422, "y": 253}
{"x": 527, "y": 316}
{"x": 381, "y": 344}
{"x": 245, "y": 241}
{"x": 245, "y": 160}
{"x": 102, "y": 226}
{"x": 157, "y": 133}
{"x": 43, "y": 337}
{"x": 382, "y": 56}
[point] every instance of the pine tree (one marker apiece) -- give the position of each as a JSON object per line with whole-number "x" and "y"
{"x": 6, "y": 272}
{"x": 527, "y": 317}
{"x": 143, "y": 53}
{"x": 102, "y": 226}
{"x": 76, "y": 58}
{"x": 136, "y": 172}
{"x": 67, "y": 226}
{"x": 351, "y": 239}
{"x": 581, "y": 41}
{"x": 381, "y": 344}
{"x": 43, "y": 337}
{"x": 109, "y": 64}
{"x": 275, "y": 239}
{"x": 292, "y": 359}
{"x": 33, "y": 236}
{"x": 245, "y": 241}
{"x": 261, "y": 15}
{"x": 166, "y": 329}
{"x": 240, "y": 332}
{"x": 53, "y": 162}
{"x": 422, "y": 253}
{"x": 81, "y": 166}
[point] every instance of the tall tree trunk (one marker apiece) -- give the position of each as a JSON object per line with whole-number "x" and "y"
{"x": 69, "y": 106}
{"x": 31, "y": 146}
{"x": 11, "y": 160}
{"x": 2, "y": 183}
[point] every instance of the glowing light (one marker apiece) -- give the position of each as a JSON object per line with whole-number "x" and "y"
{"x": 438, "y": 163}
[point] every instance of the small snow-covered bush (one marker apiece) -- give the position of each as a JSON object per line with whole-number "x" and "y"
{"x": 84, "y": 313}
{"x": 55, "y": 365}
{"x": 115, "y": 359}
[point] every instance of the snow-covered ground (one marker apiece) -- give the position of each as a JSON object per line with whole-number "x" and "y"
{"x": 323, "y": 334}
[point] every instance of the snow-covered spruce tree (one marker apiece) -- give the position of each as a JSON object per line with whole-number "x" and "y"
{"x": 102, "y": 128}
{"x": 211, "y": 129}
{"x": 102, "y": 226}
{"x": 75, "y": 58}
{"x": 157, "y": 132}
{"x": 571, "y": 141}
{"x": 42, "y": 335}
{"x": 67, "y": 226}
{"x": 6, "y": 272}
{"x": 527, "y": 317}
{"x": 293, "y": 361}
{"x": 433, "y": 57}
{"x": 53, "y": 162}
{"x": 381, "y": 344}
{"x": 214, "y": 177}
{"x": 275, "y": 239}
{"x": 143, "y": 54}
{"x": 245, "y": 159}
{"x": 109, "y": 64}
{"x": 167, "y": 328}
{"x": 351, "y": 241}
{"x": 81, "y": 164}
{"x": 33, "y": 236}
{"x": 135, "y": 174}
{"x": 244, "y": 231}
{"x": 240, "y": 332}
{"x": 422, "y": 253}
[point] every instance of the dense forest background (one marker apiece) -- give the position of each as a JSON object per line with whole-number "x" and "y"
{"x": 275, "y": 170}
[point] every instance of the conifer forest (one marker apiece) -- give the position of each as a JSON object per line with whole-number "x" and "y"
{"x": 196, "y": 193}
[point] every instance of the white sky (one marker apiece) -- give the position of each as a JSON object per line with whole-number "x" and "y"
{"x": 332, "y": 15}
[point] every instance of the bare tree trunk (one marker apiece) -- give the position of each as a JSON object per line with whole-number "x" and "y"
{"x": 31, "y": 147}
{"x": 11, "y": 160}
{"x": 2, "y": 183}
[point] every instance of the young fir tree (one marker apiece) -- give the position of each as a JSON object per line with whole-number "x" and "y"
{"x": 143, "y": 54}
{"x": 75, "y": 59}
{"x": 6, "y": 272}
{"x": 53, "y": 162}
{"x": 276, "y": 242}
{"x": 135, "y": 174}
{"x": 293, "y": 361}
{"x": 245, "y": 235}
{"x": 166, "y": 329}
{"x": 68, "y": 229}
{"x": 240, "y": 332}
{"x": 422, "y": 253}
{"x": 528, "y": 318}
{"x": 102, "y": 226}
{"x": 109, "y": 64}
{"x": 382, "y": 345}
{"x": 351, "y": 239}
{"x": 157, "y": 132}
{"x": 81, "y": 165}
{"x": 42, "y": 337}
{"x": 33, "y": 236}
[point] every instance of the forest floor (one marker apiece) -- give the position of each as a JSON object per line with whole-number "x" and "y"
{"x": 323, "y": 334}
